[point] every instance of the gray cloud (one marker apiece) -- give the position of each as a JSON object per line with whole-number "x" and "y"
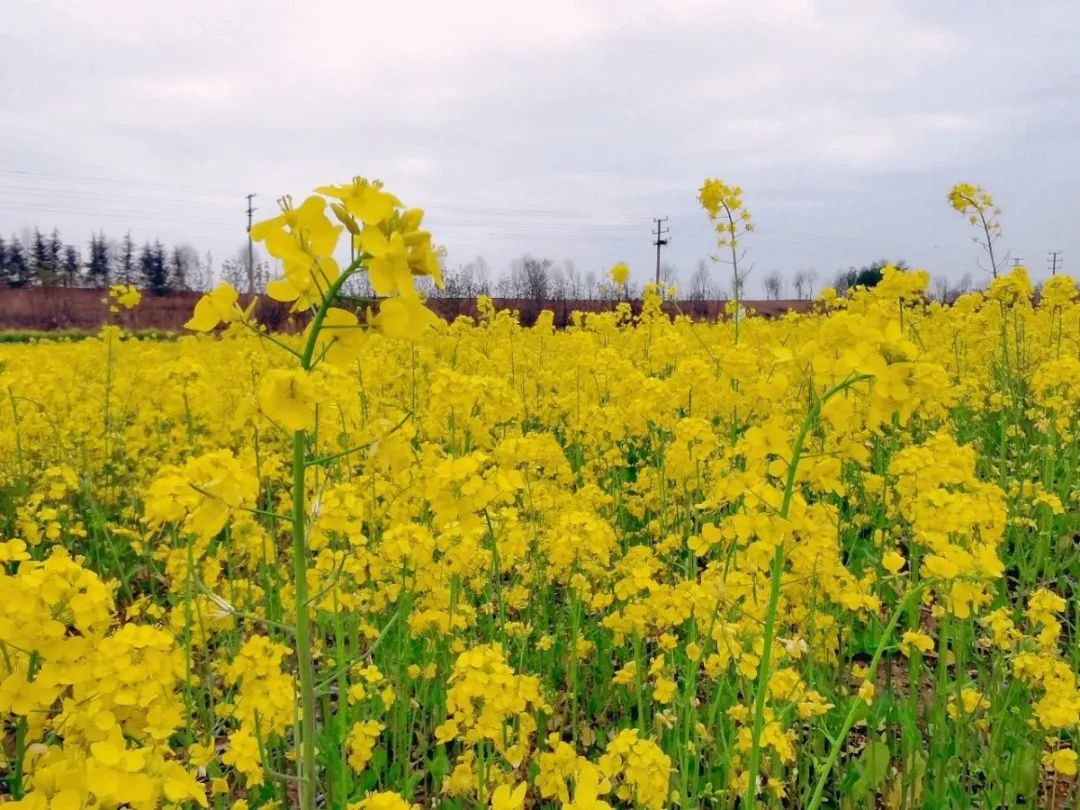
{"x": 557, "y": 128}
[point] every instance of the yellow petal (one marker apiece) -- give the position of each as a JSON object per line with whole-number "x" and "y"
{"x": 66, "y": 800}
{"x": 374, "y": 241}
{"x": 281, "y": 289}
{"x": 205, "y": 317}
{"x": 224, "y": 296}
{"x": 382, "y": 276}
{"x": 404, "y": 317}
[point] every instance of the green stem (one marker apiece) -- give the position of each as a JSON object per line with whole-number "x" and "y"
{"x": 775, "y": 574}
{"x": 334, "y": 456}
{"x": 320, "y": 314}
{"x": 853, "y": 708}
{"x": 20, "y": 754}
{"x": 272, "y": 339}
{"x": 303, "y": 630}
{"x": 18, "y": 434}
{"x": 735, "y": 272}
{"x": 305, "y": 664}
{"x": 21, "y": 730}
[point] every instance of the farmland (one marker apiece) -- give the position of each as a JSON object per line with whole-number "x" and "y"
{"x": 826, "y": 559}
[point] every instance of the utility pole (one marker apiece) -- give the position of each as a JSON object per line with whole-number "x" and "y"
{"x": 1016, "y": 262}
{"x": 1055, "y": 260}
{"x": 251, "y": 248}
{"x": 660, "y": 241}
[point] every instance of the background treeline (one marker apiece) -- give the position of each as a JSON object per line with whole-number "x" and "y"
{"x": 44, "y": 259}
{"x": 537, "y": 279}
{"x": 39, "y": 259}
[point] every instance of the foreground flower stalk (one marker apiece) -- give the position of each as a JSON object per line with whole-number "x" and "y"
{"x": 308, "y": 770}
{"x": 394, "y": 250}
{"x": 305, "y": 665}
{"x": 776, "y": 574}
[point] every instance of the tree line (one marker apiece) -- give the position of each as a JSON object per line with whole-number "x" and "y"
{"x": 540, "y": 279}
{"x": 39, "y": 259}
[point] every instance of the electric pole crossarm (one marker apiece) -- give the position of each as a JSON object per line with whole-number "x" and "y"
{"x": 659, "y": 241}
{"x": 1055, "y": 261}
{"x": 251, "y": 248}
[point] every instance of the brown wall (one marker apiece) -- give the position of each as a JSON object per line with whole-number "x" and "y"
{"x": 67, "y": 308}
{"x": 70, "y": 308}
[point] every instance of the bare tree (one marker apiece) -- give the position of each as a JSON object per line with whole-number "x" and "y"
{"x": 458, "y": 282}
{"x": 948, "y": 293}
{"x": 235, "y": 270}
{"x": 481, "y": 275}
{"x": 801, "y": 282}
{"x": 359, "y": 286}
{"x": 772, "y": 284}
{"x": 536, "y": 278}
{"x": 700, "y": 285}
{"x": 941, "y": 289}
{"x": 206, "y": 272}
{"x": 573, "y": 279}
{"x": 529, "y": 278}
{"x": 559, "y": 286}
{"x": 589, "y": 285}
{"x": 669, "y": 274}
{"x": 184, "y": 268}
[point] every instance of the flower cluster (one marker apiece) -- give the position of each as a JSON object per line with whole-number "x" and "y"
{"x": 94, "y": 706}
{"x": 638, "y": 562}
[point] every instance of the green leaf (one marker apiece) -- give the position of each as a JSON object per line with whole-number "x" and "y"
{"x": 440, "y": 766}
{"x": 875, "y": 763}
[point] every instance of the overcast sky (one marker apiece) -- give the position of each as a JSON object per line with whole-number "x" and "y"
{"x": 556, "y": 128}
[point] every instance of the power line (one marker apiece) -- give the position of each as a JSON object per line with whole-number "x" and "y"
{"x": 431, "y": 208}
{"x": 51, "y": 195}
{"x": 659, "y": 241}
{"x": 440, "y": 219}
{"x": 98, "y": 180}
{"x": 539, "y": 213}
{"x": 165, "y": 217}
{"x": 582, "y": 232}
{"x": 72, "y": 198}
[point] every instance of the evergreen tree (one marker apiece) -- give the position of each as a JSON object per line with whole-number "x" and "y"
{"x": 56, "y": 255}
{"x": 41, "y": 263}
{"x": 20, "y": 273}
{"x": 176, "y": 269}
{"x": 71, "y": 267}
{"x": 868, "y": 275}
{"x": 125, "y": 261}
{"x": 153, "y": 268}
{"x": 97, "y": 265}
